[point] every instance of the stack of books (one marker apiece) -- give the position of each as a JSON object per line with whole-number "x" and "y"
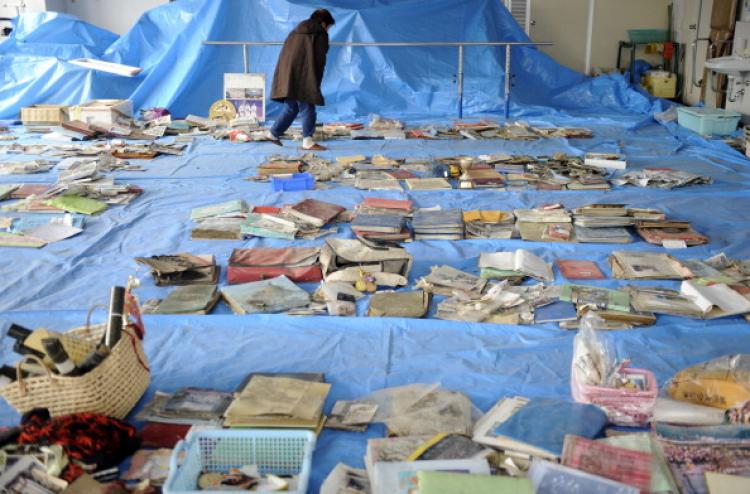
{"x": 270, "y": 296}
{"x": 545, "y": 224}
{"x": 489, "y": 224}
{"x": 188, "y": 406}
{"x": 381, "y": 227}
{"x": 373, "y": 205}
{"x": 280, "y": 167}
{"x": 669, "y": 232}
{"x": 278, "y": 402}
{"x": 603, "y": 223}
{"x": 443, "y": 224}
{"x": 481, "y": 177}
{"x": 182, "y": 269}
{"x": 219, "y": 221}
{"x": 315, "y": 212}
{"x": 195, "y": 299}
{"x": 268, "y": 226}
{"x": 428, "y": 184}
{"x": 228, "y": 209}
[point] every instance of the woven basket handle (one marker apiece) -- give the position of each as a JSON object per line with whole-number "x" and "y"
{"x": 19, "y": 371}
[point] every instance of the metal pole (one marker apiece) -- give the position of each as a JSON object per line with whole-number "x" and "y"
{"x": 506, "y": 91}
{"x": 246, "y": 58}
{"x": 358, "y": 43}
{"x": 460, "y": 81}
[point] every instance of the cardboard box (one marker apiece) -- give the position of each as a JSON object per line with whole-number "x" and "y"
{"x": 38, "y": 115}
{"x": 103, "y": 112}
{"x": 660, "y": 84}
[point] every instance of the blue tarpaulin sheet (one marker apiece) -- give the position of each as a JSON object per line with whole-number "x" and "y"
{"x": 53, "y": 287}
{"x": 183, "y": 74}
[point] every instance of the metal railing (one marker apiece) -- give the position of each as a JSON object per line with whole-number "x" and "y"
{"x": 459, "y": 75}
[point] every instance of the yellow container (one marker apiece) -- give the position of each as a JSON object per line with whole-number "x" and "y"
{"x": 660, "y": 84}
{"x": 44, "y": 115}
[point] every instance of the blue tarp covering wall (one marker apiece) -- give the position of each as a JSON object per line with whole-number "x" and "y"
{"x": 186, "y": 76}
{"x": 54, "y": 286}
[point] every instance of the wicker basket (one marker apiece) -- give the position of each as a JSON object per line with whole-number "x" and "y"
{"x": 113, "y": 388}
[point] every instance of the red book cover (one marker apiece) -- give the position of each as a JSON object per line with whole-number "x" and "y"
{"x": 316, "y": 212}
{"x": 619, "y": 464}
{"x": 373, "y": 202}
{"x": 266, "y": 210}
{"x": 158, "y": 435}
{"x": 579, "y": 270}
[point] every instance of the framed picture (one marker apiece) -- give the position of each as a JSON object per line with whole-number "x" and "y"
{"x": 248, "y": 94}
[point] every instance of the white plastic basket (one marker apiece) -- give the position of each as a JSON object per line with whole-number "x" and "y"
{"x": 278, "y": 452}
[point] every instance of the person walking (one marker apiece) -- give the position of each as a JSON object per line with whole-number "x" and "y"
{"x": 298, "y": 75}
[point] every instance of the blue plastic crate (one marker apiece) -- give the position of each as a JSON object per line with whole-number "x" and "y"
{"x": 278, "y": 452}
{"x": 708, "y": 121}
{"x": 295, "y": 181}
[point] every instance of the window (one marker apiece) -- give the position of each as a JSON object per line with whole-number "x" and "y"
{"x": 521, "y": 11}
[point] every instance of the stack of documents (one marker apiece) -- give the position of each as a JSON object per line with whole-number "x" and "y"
{"x": 514, "y": 264}
{"x": 611, "y": 305}
{"x": 489, "y": 224}
{"x": 447, "y": 280}
{"x": 278, "y": 402}
{"x": 633, "y": 265}
{"x": 551, "y": 224}
{"x": 447, "y": 224}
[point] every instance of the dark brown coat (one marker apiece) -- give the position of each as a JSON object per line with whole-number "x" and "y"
{"x": 299, "y": 71}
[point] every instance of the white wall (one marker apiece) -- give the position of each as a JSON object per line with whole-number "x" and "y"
{"x": 115, "y": 15}
{"x": 7, "y": 7}
{"x": 564, "y": 22}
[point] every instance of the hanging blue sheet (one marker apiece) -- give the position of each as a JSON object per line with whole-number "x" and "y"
{"x": 186, "y": 76}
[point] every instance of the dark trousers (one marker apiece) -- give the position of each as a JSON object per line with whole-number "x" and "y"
{"x": 292, "y": 108}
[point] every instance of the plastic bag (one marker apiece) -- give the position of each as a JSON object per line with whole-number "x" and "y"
{"x": 341, "y": 298}
{"x": 627, "y": 395}
{"x": 422, "y": 409}
{"x": 379, "y": 123}
{"x": 723, "y": 382}
{"x": 593, "y": 357}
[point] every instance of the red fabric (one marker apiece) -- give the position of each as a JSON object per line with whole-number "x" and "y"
{"x": 668, "y": 51}
{"x": 88, "y": 439}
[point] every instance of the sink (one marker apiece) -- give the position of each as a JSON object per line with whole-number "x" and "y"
{"x": 733, "y": 65}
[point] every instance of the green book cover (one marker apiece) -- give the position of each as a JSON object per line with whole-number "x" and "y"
{"x": 77, "y": 204}
{"x": 191, "y": 299}
{"x": 602, "y": 298}
{"x": 258, "y": 226}
{"x": 236, "y": 206}
{"x": 460, "y": 483}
